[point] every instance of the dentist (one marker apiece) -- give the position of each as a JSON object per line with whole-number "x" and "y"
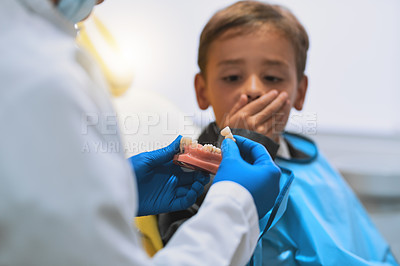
{"x": 63, "y": 202}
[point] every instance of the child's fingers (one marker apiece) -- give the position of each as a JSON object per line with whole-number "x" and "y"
{"x": 276, "y": 105}
{"x": 276, "y": 122}
{"x": 240, "y": 103}
{"x": 254, "y": 114}
{"x": 231, "y": 118}
{"x": 259, "y": 104}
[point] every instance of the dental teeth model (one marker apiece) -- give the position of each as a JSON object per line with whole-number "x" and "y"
{"x": 198, "y": 157}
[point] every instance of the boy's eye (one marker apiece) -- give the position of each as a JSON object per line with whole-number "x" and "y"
{"x": 272, "y": 79}
{"x": 231, "y": 78}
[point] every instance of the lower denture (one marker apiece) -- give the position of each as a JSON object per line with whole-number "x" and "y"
{"x": 197, "y": 158}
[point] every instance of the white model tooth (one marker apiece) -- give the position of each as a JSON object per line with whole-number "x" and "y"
{"x": 226, "y": 131}
{"x": 184, "y": 142}
{"x": 230, "y": 136}
{"x": 207, "y": 147}
{"x": 218, "y": 150}
{"x": 204, "y": 148}
{"x": 188, "y": 141}
{"x": 194, "y": 144}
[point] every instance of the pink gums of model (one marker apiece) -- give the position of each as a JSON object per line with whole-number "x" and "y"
{"x": 198, "y": 157}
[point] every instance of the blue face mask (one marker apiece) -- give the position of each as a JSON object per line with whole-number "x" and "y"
{"x": 76, "y": 10}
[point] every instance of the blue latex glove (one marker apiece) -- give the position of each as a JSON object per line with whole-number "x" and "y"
{"x": 163, "y": 186}
{"x": 248, "y": 163}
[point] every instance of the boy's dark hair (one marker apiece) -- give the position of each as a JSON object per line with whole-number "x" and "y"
{"x": 245, "y": 16}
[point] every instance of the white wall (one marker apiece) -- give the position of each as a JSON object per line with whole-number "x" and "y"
{"x": 354, "y": 60}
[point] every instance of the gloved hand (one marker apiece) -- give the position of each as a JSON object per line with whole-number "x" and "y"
{"x": 162, "y": 185}
{"x": 254, "y": 170}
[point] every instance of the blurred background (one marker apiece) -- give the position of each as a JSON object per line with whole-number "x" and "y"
{"x": 149, "y": 50}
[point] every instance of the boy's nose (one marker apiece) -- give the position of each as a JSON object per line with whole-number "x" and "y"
{"x": 253, "y": 88}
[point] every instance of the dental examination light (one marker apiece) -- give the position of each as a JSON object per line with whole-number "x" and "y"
{"x": 95, "y": 37}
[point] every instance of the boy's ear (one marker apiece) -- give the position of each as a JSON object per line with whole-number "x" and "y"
{"x": 301, "y": 93}
{"x": 201, "y": 91}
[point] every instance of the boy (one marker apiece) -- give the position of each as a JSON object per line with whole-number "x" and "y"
{"x": 252, "y": 58}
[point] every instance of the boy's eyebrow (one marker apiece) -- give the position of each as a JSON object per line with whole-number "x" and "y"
{"x": 275, "y": 62}
{"x": 269, "y": 62}
{"x": 231, "y": 62}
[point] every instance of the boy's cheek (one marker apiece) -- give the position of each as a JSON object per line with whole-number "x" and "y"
{"x": 225, "y": 102}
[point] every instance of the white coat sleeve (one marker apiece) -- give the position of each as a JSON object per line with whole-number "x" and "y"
{"x": 68, "y": 196}
{"x": 223, "y": 232}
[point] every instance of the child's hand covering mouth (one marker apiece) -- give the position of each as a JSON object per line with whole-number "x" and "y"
{"x": 265, "y": 115}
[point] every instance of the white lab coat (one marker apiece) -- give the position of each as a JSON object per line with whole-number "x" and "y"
{"x": 67, "y": 195}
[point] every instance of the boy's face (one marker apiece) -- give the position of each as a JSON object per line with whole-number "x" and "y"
{"x": 251, "y": 81}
